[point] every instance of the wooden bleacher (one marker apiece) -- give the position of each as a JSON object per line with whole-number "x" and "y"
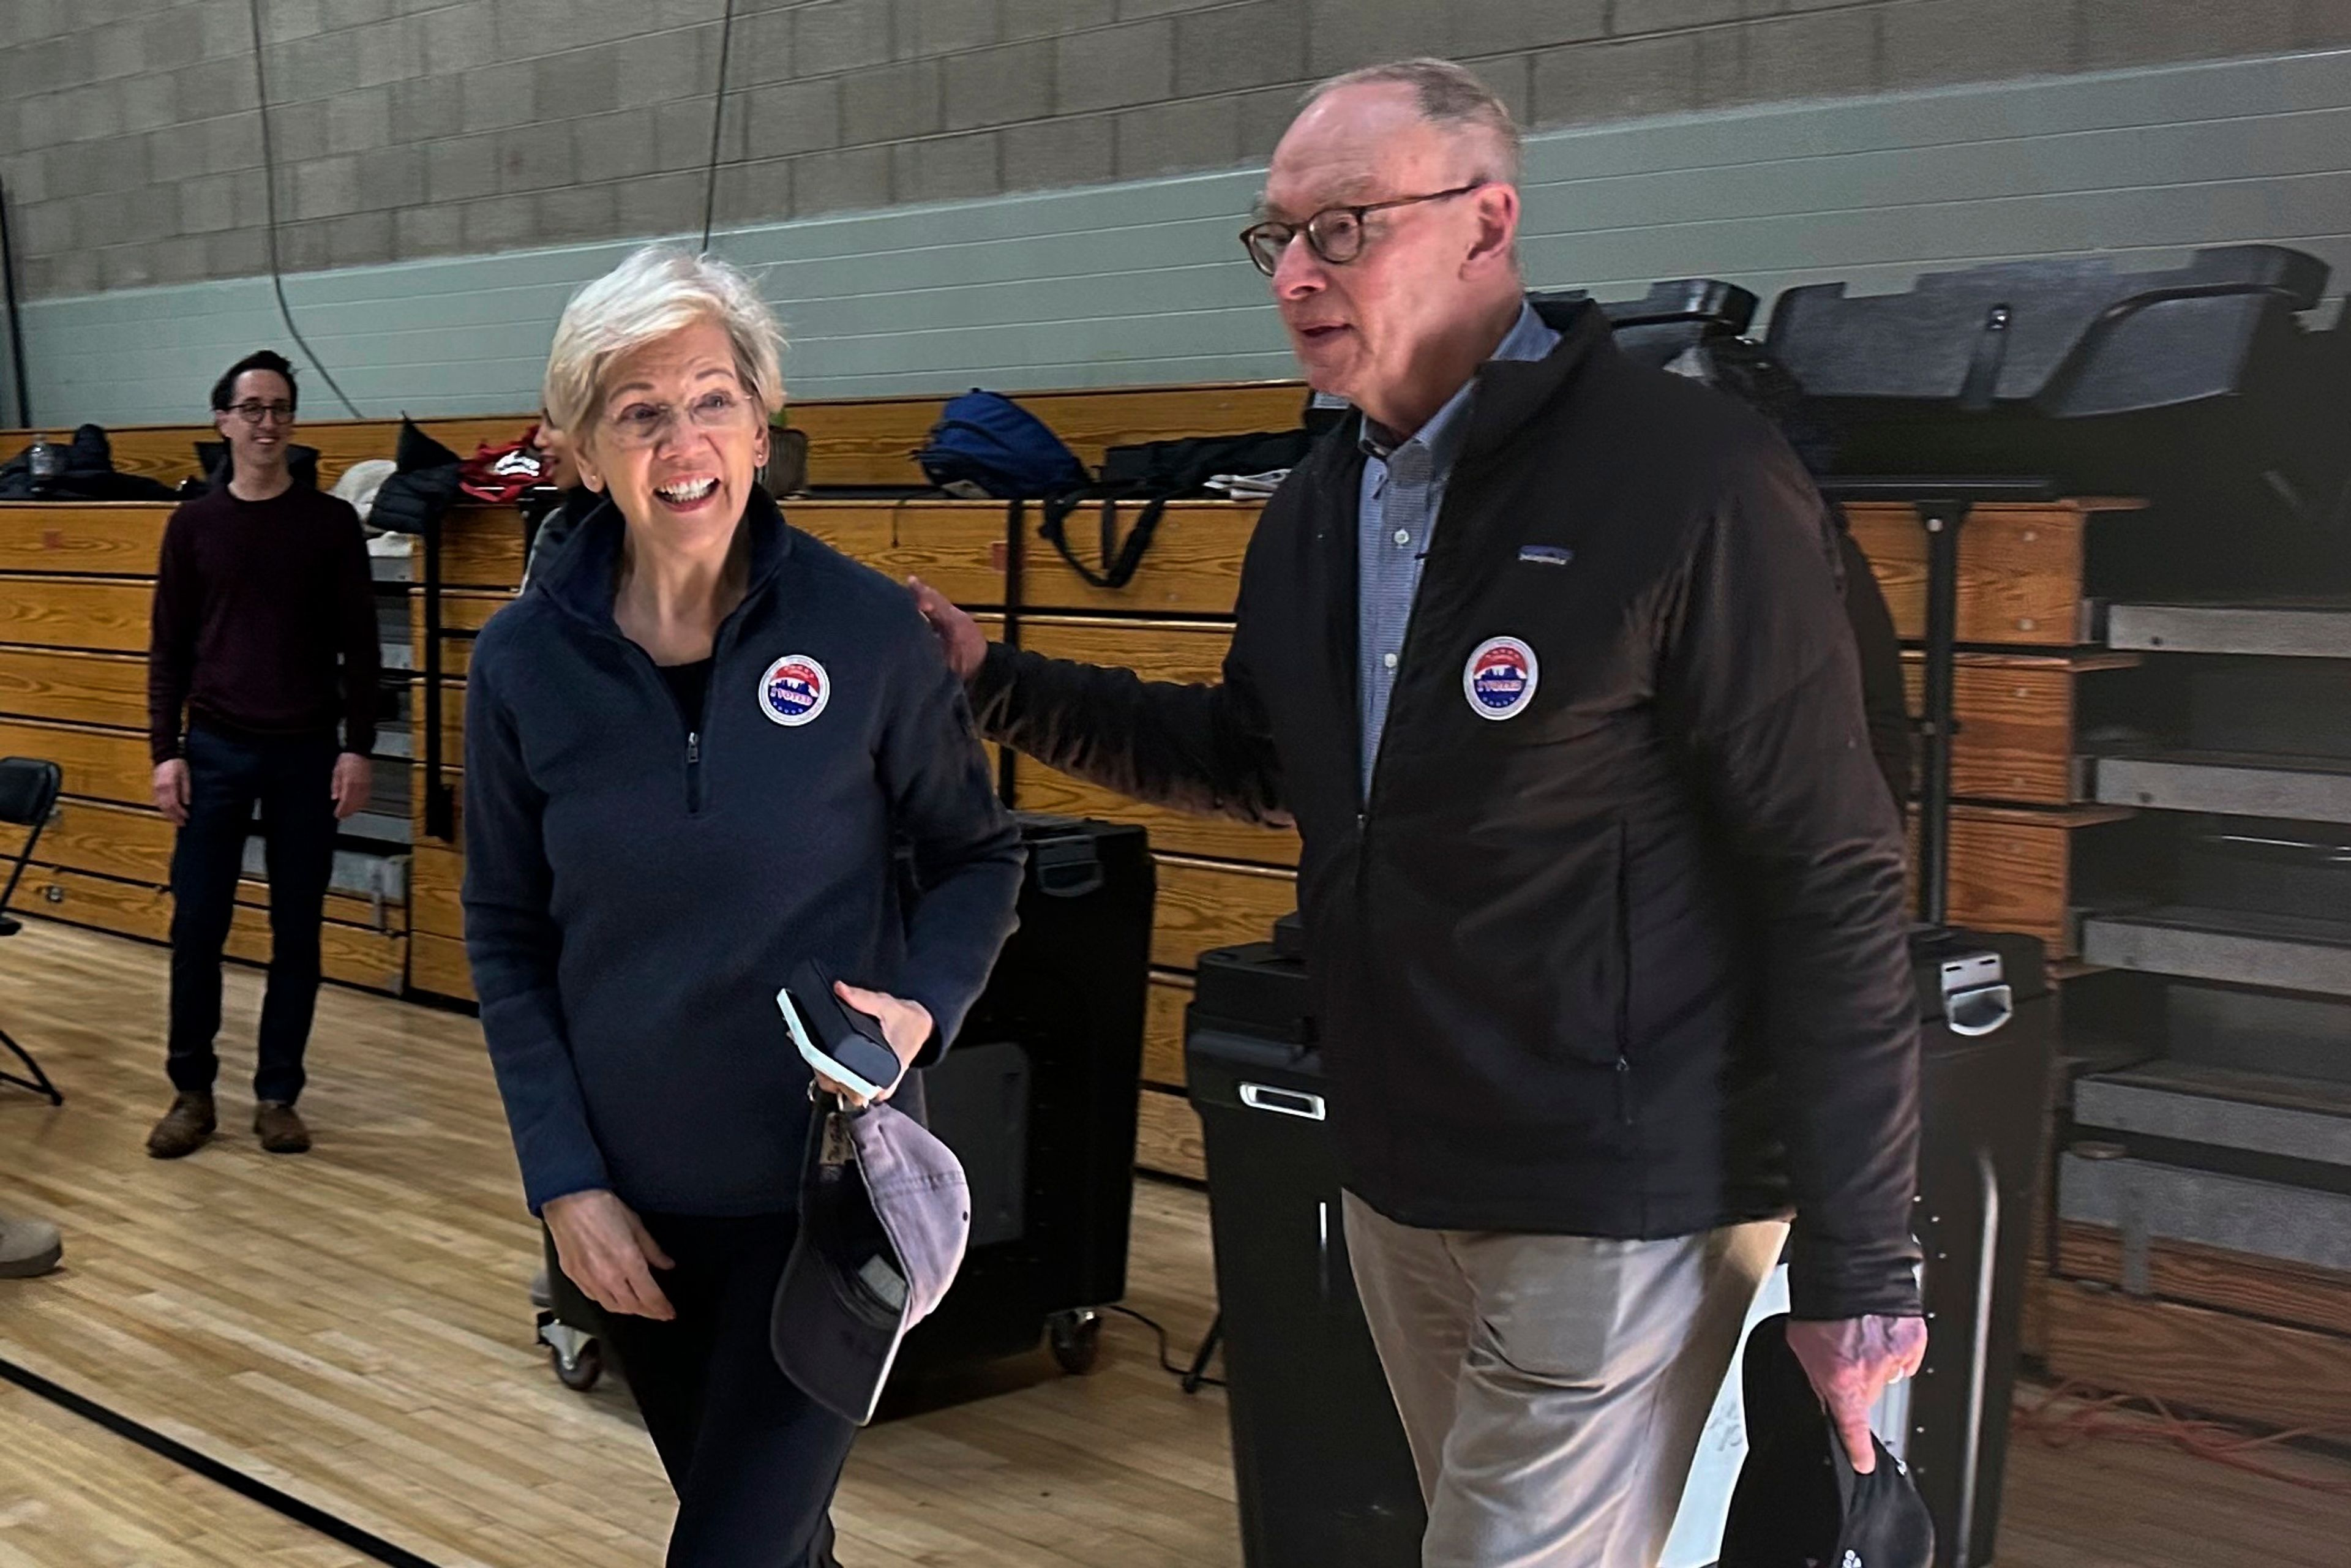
{"x": 1222, "y": 882}
{"x": 852, "y": 441}
{"x": 167, "y": 453}
{"x": 74, "y": 582}
{"x": 2028, "y": 839}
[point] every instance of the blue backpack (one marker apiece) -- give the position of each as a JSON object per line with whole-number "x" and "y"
{"x": 984, "y": 438}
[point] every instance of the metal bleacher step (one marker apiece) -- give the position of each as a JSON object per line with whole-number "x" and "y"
{"x": 2297, "y": 952}
{"x": 2151, "y": 1200}
{"x": 378, "y": 827}
{"x": 2237, "y": 784}
{"x": 2221, "y": 1107}
{"x": 2287, "y": 628}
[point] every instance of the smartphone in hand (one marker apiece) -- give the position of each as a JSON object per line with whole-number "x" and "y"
{"x": 833, "y": 1038}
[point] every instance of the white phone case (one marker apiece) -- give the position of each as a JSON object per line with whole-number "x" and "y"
{"x": 816, "y": 1057}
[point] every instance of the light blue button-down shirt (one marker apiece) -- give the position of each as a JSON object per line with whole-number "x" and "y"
{"x": 1403, "y": 489}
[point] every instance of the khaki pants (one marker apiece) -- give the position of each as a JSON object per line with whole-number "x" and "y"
{"x": 1553, "y": 1388}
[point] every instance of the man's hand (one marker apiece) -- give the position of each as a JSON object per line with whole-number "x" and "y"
{"x": 1850, "y": 1363}
{"x": 172, "y": 790}
{"x": 605, "y": 1249}
{"x": 960, "y": 635}
{"x": 354, "y": 782}
{"x": 906, "y": 1025}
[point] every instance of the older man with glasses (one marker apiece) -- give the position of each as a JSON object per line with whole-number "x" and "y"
{"x": 1545, "y": 657}
{"x": 263, "y": 647}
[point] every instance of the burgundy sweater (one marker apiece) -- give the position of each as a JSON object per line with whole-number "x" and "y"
{"x": 264, "y": 620}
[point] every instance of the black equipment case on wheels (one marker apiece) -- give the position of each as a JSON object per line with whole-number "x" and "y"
{"x": 1039, "y": 1102}
{"x": 1988, "y": 1037}
{"x": 1323, "y": 1475}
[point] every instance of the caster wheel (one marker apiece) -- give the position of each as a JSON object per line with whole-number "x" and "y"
{"x": 1075, "y": 1339}
{"x": 580, "y": 1371}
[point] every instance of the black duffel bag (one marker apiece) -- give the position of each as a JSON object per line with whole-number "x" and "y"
{"x": 1156, "y": 472}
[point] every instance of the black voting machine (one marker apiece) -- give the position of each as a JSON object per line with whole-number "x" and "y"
{"x": 1038, "y": 1101}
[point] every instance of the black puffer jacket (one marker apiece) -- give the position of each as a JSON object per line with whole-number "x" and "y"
{"x": 87, "y": 474}
{"x": 1623, "y": 953}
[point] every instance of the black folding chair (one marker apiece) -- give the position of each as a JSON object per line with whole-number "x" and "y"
{"x": 28, "y": 793}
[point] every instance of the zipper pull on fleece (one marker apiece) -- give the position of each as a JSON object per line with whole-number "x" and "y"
{"x": 692, "y": 747}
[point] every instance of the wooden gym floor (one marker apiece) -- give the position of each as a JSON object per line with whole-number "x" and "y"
{"x": 352, "y": 1328}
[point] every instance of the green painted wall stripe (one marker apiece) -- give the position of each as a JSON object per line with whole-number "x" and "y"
{"x": 1143, "y": 282}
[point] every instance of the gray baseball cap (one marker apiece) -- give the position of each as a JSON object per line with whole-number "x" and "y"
{"x": 886, "y": 1213}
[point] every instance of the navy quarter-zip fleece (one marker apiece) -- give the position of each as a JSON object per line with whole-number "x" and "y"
{"x": 638, "y": 886}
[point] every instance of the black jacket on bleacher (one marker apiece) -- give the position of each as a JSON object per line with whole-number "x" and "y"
{"x": 1632, "y": 962}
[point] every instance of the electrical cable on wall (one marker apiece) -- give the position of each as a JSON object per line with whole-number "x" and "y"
{"x": 717, "y": 124}
{"x": 269, "y": 214}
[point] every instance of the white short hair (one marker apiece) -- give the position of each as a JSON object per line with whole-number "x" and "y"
{"x": 658, "y": 290}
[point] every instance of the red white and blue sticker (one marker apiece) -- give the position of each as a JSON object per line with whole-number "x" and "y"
{"x": 1500, "y": 679}
{"x": 794, "y": 690}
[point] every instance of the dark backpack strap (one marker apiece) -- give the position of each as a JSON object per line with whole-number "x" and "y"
{"x": 1138, "y": 541}
{"x": 1117, "y": 570}
{"x": 1054, "y": 529}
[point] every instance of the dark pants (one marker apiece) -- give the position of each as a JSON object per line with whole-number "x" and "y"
{"x": 292, "y": 778}
{"x": 753, "y": 1459}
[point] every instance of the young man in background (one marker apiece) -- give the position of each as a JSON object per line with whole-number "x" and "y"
{"x": 264, "y": 642}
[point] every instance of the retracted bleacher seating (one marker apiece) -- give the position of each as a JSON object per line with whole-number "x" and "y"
{"x": 2199, "y": 387}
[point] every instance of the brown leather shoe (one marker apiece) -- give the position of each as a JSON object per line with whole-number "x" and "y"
{"x": 186, "y": 1127}
{"x": 281, "y": 1130}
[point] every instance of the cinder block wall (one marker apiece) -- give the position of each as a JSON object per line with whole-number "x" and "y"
{"x": 130, "y": 143}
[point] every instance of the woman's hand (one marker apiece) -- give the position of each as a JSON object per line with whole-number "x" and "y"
{"x": 605, "y": 1249}
{"x": 906, "y": 1025}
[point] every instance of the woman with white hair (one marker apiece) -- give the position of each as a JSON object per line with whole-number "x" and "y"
{"x": 689, "y": 753}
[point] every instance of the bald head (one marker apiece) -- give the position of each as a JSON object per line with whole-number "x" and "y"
{"x": 1452, "y": 101}
{"x": 1416, "y": 164}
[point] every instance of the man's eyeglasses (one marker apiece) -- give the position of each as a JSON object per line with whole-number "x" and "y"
{"x": 1334, "y": 233}
{"x": 643, "y": 424}
{"x": 253, "y": 411}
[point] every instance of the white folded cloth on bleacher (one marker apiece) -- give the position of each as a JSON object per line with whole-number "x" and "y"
{"x": 1248, "y": 487}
